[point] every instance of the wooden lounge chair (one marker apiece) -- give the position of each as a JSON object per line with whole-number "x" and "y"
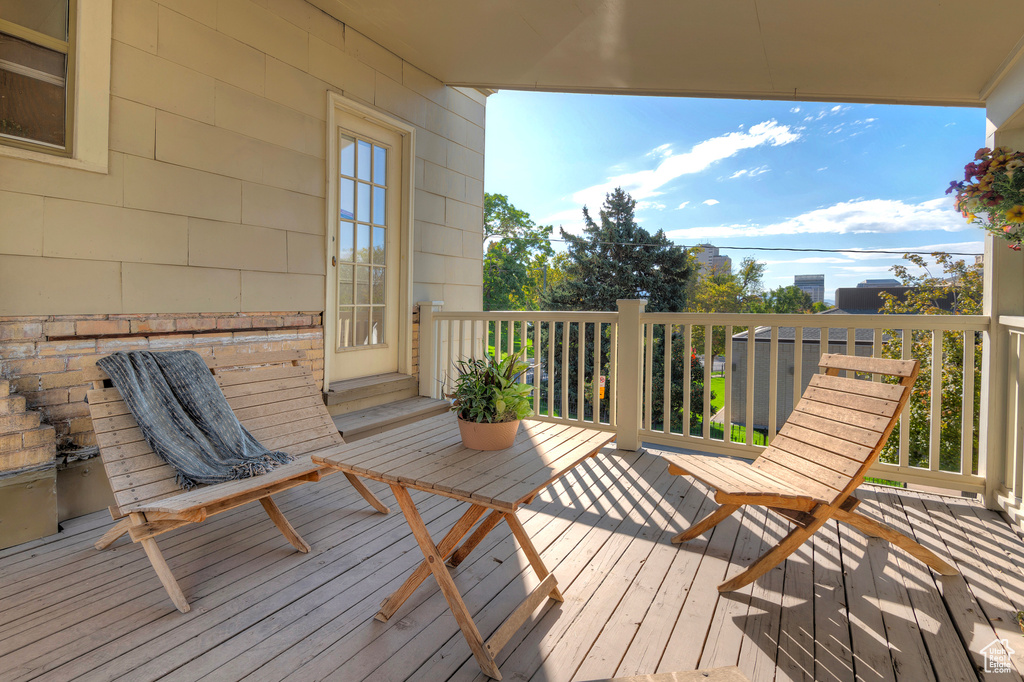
{"x": 278, "y": 403}
{"x": 818, "y": 459}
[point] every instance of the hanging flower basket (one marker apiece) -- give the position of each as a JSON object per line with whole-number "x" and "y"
{"x": 991, "y": 194}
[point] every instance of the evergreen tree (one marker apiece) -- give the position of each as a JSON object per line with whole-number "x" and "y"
{"x": 619, "y": 259}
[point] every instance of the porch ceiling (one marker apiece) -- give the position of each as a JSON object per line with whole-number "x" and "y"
{"x": 911, "y": 51}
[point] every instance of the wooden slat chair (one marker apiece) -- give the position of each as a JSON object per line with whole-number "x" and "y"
{"x": 278, "y": 403}
{"x": 814, "y": 464}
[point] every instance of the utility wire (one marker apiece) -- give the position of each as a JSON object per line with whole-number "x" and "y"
{"x": 765, "y": 248}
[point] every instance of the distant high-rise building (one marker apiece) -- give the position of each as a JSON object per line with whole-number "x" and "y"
{"x": 813, "y": 285}
{"x": 876, "y": 283}
{"x": 710, "y": 260}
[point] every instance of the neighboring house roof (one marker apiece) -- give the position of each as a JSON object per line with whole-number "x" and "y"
{"x": 811, "y": 334}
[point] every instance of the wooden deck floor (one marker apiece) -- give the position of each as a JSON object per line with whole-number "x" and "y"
{"x": 842, "y": 608}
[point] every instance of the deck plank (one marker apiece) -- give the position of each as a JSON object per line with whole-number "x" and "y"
{"x": 842, "y": 608}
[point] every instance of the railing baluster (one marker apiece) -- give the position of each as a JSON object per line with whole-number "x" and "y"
{"x": 751, "y": 374}
{"x": 666, "y": 417}
{"x": 522, "y": 346}
{"x": 581, "y": 348}
{"x": 596, "y": 377}
{"x": 876, "y": 350}
{"x": 536, "y": 366}
{"x": 613, "y": 334}
{"x": 709, "y": 363}
{"x": 906, "y": 353}
{"x": 824, "y": 343}
{"x": 1014, "y": 419}
{"x": 648, "y": 420}
{"x": 462, "y": 339}
{"x": 967, "y": 407}
{"x": 727, "y": 384}
{"x": 798, "y": 366}
{"x": 935, "y": 431}
{"x": 687, "y": 376}
{"x": 773, "y": 384}
{"x": 564, "y": 405}
{"x": 440, "y": 379}
{"x": 511, "y": 338}
{"x": 551, "y": 368}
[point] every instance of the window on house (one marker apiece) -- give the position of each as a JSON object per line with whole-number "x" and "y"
{"x": 37, "y": 51}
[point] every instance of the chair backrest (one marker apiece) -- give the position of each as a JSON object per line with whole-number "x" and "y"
{"x": 273, "y": 396}
{"x": 840, "y": 425}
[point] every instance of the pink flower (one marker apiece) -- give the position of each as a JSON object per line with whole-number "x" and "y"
{"x": 981, "y": 153}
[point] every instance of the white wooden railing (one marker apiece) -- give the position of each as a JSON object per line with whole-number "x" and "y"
{"x": 1011, "y": 490}
{"x": 647, "y": 396}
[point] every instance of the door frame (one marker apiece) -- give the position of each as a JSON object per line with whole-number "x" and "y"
{"x": 335, "y": 102}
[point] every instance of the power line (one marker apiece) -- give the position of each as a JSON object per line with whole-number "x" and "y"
{"x": 770, "y": 248}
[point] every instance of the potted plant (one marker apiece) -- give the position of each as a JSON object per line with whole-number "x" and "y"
{"x": 490, "y": 401}
{"x": 993, "y": 185}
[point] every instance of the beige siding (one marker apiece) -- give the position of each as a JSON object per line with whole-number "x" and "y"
{"x": 214, "y": 199}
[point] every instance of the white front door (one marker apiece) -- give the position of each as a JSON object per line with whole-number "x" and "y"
{"x": 365, "y": 326}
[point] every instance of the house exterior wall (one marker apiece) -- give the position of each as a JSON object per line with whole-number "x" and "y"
{"x": 212, "y": 210}
{"x": 784, "y": 390}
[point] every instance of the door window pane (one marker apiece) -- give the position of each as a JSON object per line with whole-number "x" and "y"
{"x": 346, "y": 155}
{"x": 363, "y": 203}
{"x": 379, "y": 212}
{"x": 346, "y": 322}
{"x": 380, "y": 166}
{"x": 346, "y": 246}
{"x": 363, "y": 162}
{"x": 379, "y": 245}
{"x": 362, "y": 243}
{"x": 362, "y": 326}
{"x": 377, "y": 281}
{"x": 362, "y": 285}
{"x": 345, "y": 277}
{"x": 377, "y": 324}
{"x": 347, "y": 199}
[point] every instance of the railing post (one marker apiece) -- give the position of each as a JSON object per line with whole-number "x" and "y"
{"x": 628, "y": 369}
{"x": 428, "y": 344}
{"x": 1003, "y": 295}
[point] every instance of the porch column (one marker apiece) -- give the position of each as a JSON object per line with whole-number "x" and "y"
{"x": 428, "y": 347}
{"x": 628, "y": 366}
{"x": 1003, "y": 294}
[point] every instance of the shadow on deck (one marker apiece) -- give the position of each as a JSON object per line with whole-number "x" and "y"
{"x": 842, "y": 608}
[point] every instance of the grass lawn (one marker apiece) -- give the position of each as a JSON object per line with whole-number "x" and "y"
{"x": 718, "y": 390}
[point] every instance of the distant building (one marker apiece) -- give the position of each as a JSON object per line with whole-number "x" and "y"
{"x": 812, "y": 285}
{"x": 710, "y": 260}
{"x": 874, "y": 283}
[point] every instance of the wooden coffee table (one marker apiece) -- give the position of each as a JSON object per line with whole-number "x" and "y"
{"x": 429, "y": 456}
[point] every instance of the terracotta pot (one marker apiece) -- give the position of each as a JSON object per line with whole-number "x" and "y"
{"x": 485, "y": 436}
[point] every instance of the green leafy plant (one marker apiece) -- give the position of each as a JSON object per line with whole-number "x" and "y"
{"x": 488, "y": 390}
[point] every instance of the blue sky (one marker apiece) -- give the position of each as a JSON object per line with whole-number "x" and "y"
{"x": 744, "y": 173}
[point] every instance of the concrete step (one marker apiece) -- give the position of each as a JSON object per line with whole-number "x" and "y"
{"x": 380, "y": 418}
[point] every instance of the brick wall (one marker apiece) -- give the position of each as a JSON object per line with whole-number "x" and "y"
{"x": 43, "y": 356}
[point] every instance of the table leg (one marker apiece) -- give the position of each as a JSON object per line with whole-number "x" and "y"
{"x": 447, "y": 585}
{"x": 531, "y": 552}
{"x": 489, "y": 524}
{"x": 391, "y": 604}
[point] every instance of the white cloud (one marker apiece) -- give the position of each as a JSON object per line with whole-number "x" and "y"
{"x": 645, "y": 184}
{"x": 710, "y": 202}
{"x": 823, "y": 168}
{"x": 750, "y": 172}
{"x": 795, "y": 110}
{"x": 661, "y": 150}
{"x": 650, "y": 206}
{"x": 682, "y": 205}
{"x": 858, "y": 216}
{"x": 836, "y": 109}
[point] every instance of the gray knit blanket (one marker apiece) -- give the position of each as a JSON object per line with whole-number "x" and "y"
{"x": 186, "y": 419}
